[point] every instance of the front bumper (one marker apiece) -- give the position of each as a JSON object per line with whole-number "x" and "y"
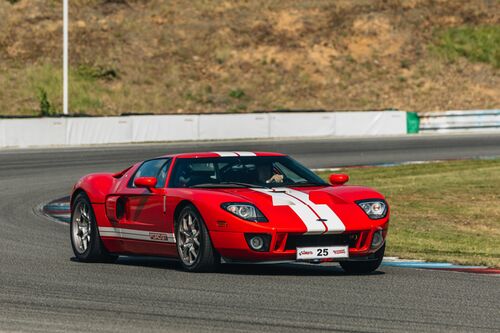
{"x": 233, "y": 245}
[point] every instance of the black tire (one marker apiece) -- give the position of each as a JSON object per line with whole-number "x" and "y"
{"x": 94, "y": 251}
{"x": 365, "y": 266}
{"x": 207, "y": 259}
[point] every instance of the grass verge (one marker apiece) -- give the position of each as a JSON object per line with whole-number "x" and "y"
{"x": 479, "y": 44}
{"x": 442, "y": 211}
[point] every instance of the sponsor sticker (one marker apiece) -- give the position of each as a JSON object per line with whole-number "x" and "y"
{"x": 158, "y": 236}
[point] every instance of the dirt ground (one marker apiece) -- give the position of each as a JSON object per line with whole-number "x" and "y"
{"x": 155, "y": 56}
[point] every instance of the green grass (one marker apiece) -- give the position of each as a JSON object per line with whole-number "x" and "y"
{"x": 479, "y": 44}
{"x": 86, "y": 89}
{"x": 443, "y": 211}
{"x": 29, "y": 89}
{"x": 46, "y": 81}
{"x": 38, "y": 88}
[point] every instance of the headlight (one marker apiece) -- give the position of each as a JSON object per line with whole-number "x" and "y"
{"x": 245, "y": 211}
{"x": 375, "y": 209}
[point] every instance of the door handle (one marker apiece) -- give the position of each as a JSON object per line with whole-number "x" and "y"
{"x": 164, "y": 204}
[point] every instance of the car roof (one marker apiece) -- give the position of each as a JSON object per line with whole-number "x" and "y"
{"x": 216, "y": 154}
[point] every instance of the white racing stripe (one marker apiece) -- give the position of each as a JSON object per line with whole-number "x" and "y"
{"x": 332, "y": 221}
{"x": 306, "y": 210}
{"x": 234, "y": 154}
{"x": 307, "y": 216}
{"x": 245, "y": 153}
{"x": 225, "y": 154}
{"x": 152, "y": 236}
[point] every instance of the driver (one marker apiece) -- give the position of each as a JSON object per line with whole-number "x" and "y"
{"x": 185, "y": 176}
{"x": 266, "y": 175}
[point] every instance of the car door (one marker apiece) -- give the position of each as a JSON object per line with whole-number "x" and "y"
{"x": 142, "y": 223}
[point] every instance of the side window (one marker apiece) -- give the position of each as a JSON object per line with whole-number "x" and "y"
{"x": 188, "y": 173}
{"x": 153, "y": 168}
{"x": 162, "y": 175}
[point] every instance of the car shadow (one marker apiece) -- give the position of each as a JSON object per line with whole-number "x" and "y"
{"x": 142, "y": 261}
{"x": 267, "y": 269}
{"x": 286, "y": 269}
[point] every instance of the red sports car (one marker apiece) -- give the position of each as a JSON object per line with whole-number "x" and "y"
{"x": 234, "y": 206}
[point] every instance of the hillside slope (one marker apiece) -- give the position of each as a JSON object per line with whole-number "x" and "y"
{"x": 30, "y": 55}
{"x": 154, "y": 56}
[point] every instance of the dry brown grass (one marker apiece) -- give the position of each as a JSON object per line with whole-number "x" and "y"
{"x": 240, "y": 56}
{"x": 30, "y": 54}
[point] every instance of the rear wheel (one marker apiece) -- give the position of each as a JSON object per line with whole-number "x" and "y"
{"x": 366, "y": 266}
{"x": 193, "y": 242}
{"x": 85, "y": 238}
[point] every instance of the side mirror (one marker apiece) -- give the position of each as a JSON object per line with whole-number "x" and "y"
{"x": 338, "y": 179}
{"x": 145, "y": 182}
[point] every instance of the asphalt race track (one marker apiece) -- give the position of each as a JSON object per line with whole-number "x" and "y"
{"x": 43, "y": 289}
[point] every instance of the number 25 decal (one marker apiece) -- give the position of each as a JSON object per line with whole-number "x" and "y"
{"x": 322, "y": 252}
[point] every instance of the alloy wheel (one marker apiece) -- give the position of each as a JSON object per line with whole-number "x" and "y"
{"x": 81, "y": 227}
{"x": 189, "y": 238}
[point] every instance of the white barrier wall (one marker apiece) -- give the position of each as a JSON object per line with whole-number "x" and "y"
{"x": 372, "y": 123}
{"x": 234, "y": 126}
{"x": 165, "y": 128}
{"x": 99, "y": 130}
{"x": 34, "y": 132}
{"x": 300, "y": 124}
{"x": 103, "y": 130}
{"x": 3, "y": 140}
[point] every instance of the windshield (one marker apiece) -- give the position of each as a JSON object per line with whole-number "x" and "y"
{"x": 253, "y": 171}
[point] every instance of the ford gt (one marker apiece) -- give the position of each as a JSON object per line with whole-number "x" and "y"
{"x": 213, "y": 207}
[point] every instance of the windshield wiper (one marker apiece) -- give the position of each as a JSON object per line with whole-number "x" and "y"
{"x": 209, "y": 185}
{"x": 226, "y": 185}
{"x": 243, "y": 184}
{"x": 308, "y": 184}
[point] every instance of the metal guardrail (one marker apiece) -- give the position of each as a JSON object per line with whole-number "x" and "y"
{"x": 449, "y": 121}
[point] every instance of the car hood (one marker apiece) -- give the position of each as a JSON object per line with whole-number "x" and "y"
{"x": 317, "y": 209}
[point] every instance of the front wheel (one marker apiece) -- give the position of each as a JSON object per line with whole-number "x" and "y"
{"x": 85, "y": 239}
{"x": 364, "y": 267}
{"x": 193, "y": 242}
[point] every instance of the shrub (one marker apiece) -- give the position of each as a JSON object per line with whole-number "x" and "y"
{"x": 46, "y": 108}
{"x": 237, "y": 93}
{"x": 89, "y": 72}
